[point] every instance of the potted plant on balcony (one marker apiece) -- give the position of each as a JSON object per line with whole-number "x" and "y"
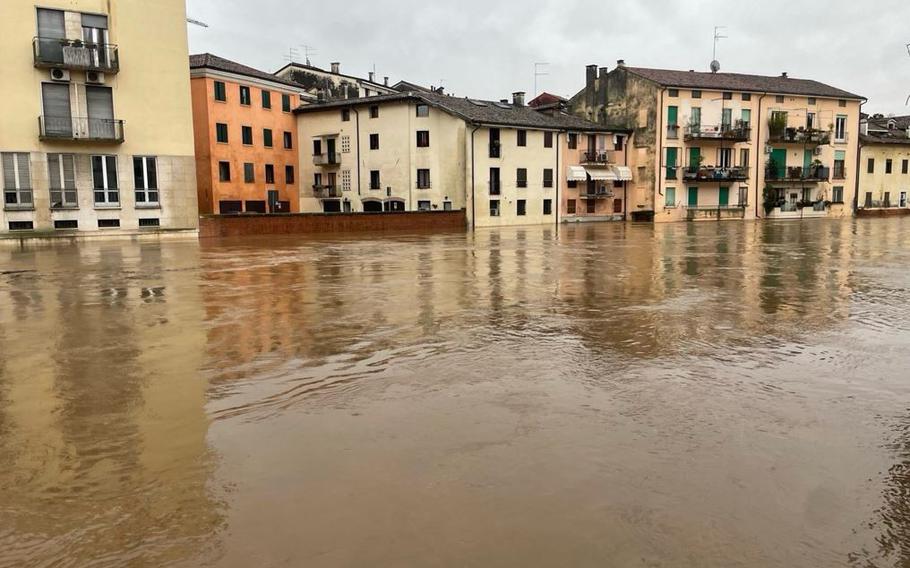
{"x": 777, "y": 124}
{"x": 769, "y": 199}
{"x": 771, "y": 171}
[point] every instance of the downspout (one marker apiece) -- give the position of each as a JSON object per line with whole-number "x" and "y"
{"x": 759, "y": 151}
{"x": 473, "y": 196}
{"x": 556, "y": 202}
{"x": 625, "y": 183}
{"x": 357, "y": 125}
{"x": 660, "y": 151}
{"x": 858, "y": 157}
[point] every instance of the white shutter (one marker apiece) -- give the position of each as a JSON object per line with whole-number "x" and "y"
{"x": 25, "y": 177}
{"x": 53, "y": 171}
{"x": 9, "y": 171}
{"x": 69, "y": 171}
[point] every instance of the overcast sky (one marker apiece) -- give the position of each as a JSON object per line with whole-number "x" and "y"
{"x": 487, "y": 48}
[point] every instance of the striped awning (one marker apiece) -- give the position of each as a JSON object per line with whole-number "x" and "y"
{"x": 577, "y": 173}
{"x": 601, "y": 174}
{"x": 623, "y": 173}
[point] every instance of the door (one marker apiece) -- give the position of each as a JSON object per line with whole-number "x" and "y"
{"x": 273, "y": 201}
{"x": 100, "y": 112}
{"x": 779, "y": 161}
{"x": 330, "y": 150}
{"x": 903, "y": 199}
{"x": 723, "y": 197}
{"x": 693, "y": 197}
{"x": 617, "y": 205}
{"x": 725, "y": 158}
{"x": 868, "y": 199}
{"x": 694, "y": 158}
{"x": 726, "y": 119}
{"x": 746, "y": 117}
{"x": 807, "y": 162}
{"x": 51, "y": 33}
{"x": 94, "y": 34}
{"x": 671, "y": 163}
{"x": 57, "y": 118}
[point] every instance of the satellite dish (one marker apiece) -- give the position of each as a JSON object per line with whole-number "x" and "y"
{"x": 715, "y": 66}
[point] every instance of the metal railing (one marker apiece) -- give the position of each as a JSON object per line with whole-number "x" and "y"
{"x": 327, "y": 159}
{"x": 672, "y": 131}
{"x": 326, "y": 191}
{"x": 495, "y": 150}
{"x": 703, "y": 173}
{"x": 729, "y": 132}
{"x": 597, "y": 157}
{"x": 80, "y": 128}
{"x": 797, "y": 173}
{"x": 812, "y": 136}
{"x": 75, "y": 54}
{"x": 596, "y": 194}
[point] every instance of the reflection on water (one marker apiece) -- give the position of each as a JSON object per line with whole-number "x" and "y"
{"x": 687, "y": 395}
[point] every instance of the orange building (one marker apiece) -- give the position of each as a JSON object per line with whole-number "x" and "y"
{"x": 246, "y": 138}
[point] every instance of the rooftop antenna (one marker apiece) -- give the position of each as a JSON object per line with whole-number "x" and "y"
{"x": 195, "y": 22}
{"x": 292, "y": 55}
{"x": 715, "y": 64}
{"x": 907, "y": 102}
{"x": 539, "y": 73}
{"x": 308, "y": 50}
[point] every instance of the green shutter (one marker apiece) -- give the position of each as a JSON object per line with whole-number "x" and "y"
{"x": 747, "y": 116}
{"x": 693, "y": 197}
{"x": 670, "y": 197}
{"x": 672, "y": 114}
{"x": 671, "y": 157}
{"x": 840, "y": 155}
{"x": 807, "y": 160}
{"x": 723, "y": 197}
{"x": 779, "y": 155}
{"x": 694, "y": 155}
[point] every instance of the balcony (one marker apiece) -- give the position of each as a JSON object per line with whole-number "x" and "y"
{"x": 799, "y": 210}
{"x": 327, "y": 159}
{"x": 78, "y": 128}
{"x": 326, "y": 191}
{"x": 75, "y": 54}
{"x": 715, "y": 212}
{"x": 495, "y": 149}
{"x": 798, "y": 174}
{"x": 672, "y": 131}
{"x": 723, "y": 132}
{"x": 601, "y": 193}
{"x": 599, "y": 157}
{"x": 805, "y": 136}
{"x": 711, "y": 173}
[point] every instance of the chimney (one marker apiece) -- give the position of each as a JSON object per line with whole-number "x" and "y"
{"x": 783, "y": 75}
{"x": 385, "y": 80}
{"x": 602, "y": 87}
{"x": 518, "y": 98}
{"x": 620, "y": 62}
{"x": 505, "y": 101}
{"x": 372, "y": 76}
{"x": 440, "y": 90}
{"x": 590, "y": 76}
{"x": 336, "y": 67}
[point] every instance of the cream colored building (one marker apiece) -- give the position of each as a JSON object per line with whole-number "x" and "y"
{"x": 714, "y": 146}
{"x": 501, "y": 161}
{"x": 884, "y": 179}
{"x": 97, "y": 135}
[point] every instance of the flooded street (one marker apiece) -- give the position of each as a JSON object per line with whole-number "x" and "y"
{"x": 733, "y": 394}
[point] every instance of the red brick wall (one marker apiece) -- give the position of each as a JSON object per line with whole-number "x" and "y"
{"x": 240, "y": 225}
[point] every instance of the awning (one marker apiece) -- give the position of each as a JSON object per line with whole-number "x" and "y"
{"x": 577, "y": 173}
{"x": 623, "y": 173}
{"x": 601, "y": 174}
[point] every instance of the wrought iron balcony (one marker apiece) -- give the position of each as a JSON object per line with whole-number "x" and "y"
{"x": 76, "y": 54}
{"x": 702, "y": 173}
{"x": 601, "y": 193}
{"x": 327, "y": 159}
{"x": 716, "y": 212}
{"x": 725, "y": 132}
{"x": 597, "y": 157}
{"x": 798, "y": 174}
{"x": 326, "y": 191}
{"x": 80, "y": 128}
{"x": 809, "y": 136}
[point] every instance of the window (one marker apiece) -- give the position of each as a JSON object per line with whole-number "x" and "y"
{"x": 224, "y": 171}
{"x": 618, "y": 142}
{"x": 229, "y": 206}
{"x": 244, "y": 95}
{"x": 246, "y": 133}
{"x": 811, "y": 101}
{"x": 61, "y": 171}
{"x": 744, "y": 158}
{"x": 423, "y": 179}
{"x": 220, "y": 92}
{"x": 840, "y": 159}
{"x": 840, "y": 128}
{"x": 522, "y": 137}
{"x": 548, "y": 177}
{"x": 696, "y": 94}
{"x": 570, "y": 207}
{"x": 108, "y": 223}
{"x": 547, "y": 139}
{"x": 288, "y": 140}
{"x": 547, "y": 206}
{"x": 317, "y": 180}
{"x": 104, "y": 180}
{"x": 289, "y": 175}
{"x": 494, "y": 208}
{"x": 374, "y": 141}
{"x": 573, "y": 141}
{"x": 888, "y": 166}
{"x": 870, "y": 166}
{"x": 317, "y": 147}
{"x": 725, "y": 157}
{"x": 221, "y": 132}
{"x": 728, "y": 96}
{"x": 345, "y": 144}
{"x": 346, "y": 180}
{"x": 285, "y": 102}
{"x": 842, "y": 103}
{"x": 374, "y": 180}
{"x": 154, "y": 222}
{"x": 521, "y": 177}
{"x": 345, "y": 115}
{"x": 423, "y": 138}
{"x": 255, "y": 206}
{"x": 145, "y": 180}
{"x": 423, "y": 110}
{"x": 21, "y": 225}
{"x": 670, "y": 197}
{"x": 66, "y": 224}
{"x": 521, "y": 207}
{"x": 269, "y": 173}
{"x": 446, "y": 205}
{"x": 423, "y": 205}
{"x": 778, "y": 98}
{"x": 17, "y": 180}
{"x": 494, "y": 181}
{"x": 267, "y": 137}
{"x": 837, "y": 194}
{"x": 249, "y": 172}
{"x": 673, "y": 93}
{"x": 670, "y": 163}
{"x": 747, "y": 97}
{"x": 590, "y": 206}
{"x": 904, "y": 166}
{"x": 374, "y": 111}
{"x": 266, "y": 99}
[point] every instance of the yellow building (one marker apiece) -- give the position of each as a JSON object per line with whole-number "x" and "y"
{"x": 97, "y": 135}
{"x": 713, "y": 146}
{"x": 501, "y": 161}
{"x": 884, "y": 179}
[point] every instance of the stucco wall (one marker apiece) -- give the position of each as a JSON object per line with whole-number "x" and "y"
{"x": 879, "y": 182}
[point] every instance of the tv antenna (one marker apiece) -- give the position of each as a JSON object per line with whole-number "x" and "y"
{"x": 538, "y": 72}
{"x": 715, "y": 64}
{"x": 308, "y": 50}
{"x": 292, "y": 55}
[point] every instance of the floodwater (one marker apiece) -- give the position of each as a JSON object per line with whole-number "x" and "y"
{"x": 733, "y": 394}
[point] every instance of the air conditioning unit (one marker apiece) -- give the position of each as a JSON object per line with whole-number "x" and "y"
{"x": 61, "y": 75}
{"x": 94, "y": 77}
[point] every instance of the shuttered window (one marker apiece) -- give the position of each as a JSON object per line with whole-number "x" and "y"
{"x": 100, "y": 105}
{"x": 104, "y": 181}
{"x": 61, "y": 175}
{"x": 17, "y": 180}
{"x": 145, "y": 178}
{"x": 51, "y": 29}
{"x": 57, "y": 118}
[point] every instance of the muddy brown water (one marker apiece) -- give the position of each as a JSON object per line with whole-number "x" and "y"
{"x": 732, "y": 394}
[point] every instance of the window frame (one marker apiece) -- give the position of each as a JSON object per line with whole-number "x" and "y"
{"x": 245, "y": 95}
{"x": 285, "y": 102}
{"x": 289, "y": 179}
{"x": 222, "y": 171}
{"x": 222, "y": 128}
{"x": 219, "y": 86}
{"x": 111, "y": 193}
{"x": 374, "y": 111}
{"x": 425, "y": 173}
{"x": 266, "y": 98}
{"x": 146, "y": 191}
{"x": 63, "y": 193}
{"x": 22, "y": 188}
{"x": 548, "y": 139}
{"x": 521, "y": 178}
{"x": 425, "y": 143}
{"x": 288, "y": 140}
{"x": 249, "y": 172}
{"x": 374, "y": 141}
{"x": 375, "y": 180}
{"x": 267, "y": 139}
{"x": 521, "y": 138}
{"x": 246, "y": 135}
{"x": 269, "y": 174}
{"x": 548, "y": 179}
{"x": 423, "y": 110}
{"x": 521, "y": 207}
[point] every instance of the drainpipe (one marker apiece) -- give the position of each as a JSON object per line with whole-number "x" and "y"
{"x": 660, "y": 149}
{"x": 759, "y": 151}
{"x": 473, "y": 196}
{"x": 625, "y": 183}
{"x": 858, "y": 157}
{"x": 357, "y": 125}
{"x": 556, "y": 175}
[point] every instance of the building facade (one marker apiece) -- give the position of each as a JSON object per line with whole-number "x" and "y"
{"x": 714, "y": 146}
{"x": 245, "y": 138}
{"x": 884, "y": 179}
{"x": 333, "y": 84}
{"x": 98, "y": 130}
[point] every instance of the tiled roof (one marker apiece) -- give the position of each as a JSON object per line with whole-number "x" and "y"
{"x": 545, "y": 99}
{"x": 320, "y": 70}
{"x": 209, "y": 61}
{"x": 475, "y": 111}
{"x": 899, "y": 137}
{"x": 881, "y": 123}
{"x": 741, "y": 82}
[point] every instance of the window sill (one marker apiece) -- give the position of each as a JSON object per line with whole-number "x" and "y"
{"x": 100, "y": 207}
{"x": 65, "y": 208}
{"x": 148, "y": 206}
{"x": 14, "y": 208}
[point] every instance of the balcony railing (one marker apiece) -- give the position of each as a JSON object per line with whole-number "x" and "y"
{"x": 716, "y": 212}
{"x": 811, "y": 136}
{"x": 495, "y": 187}
{"x": 596, "y": 194}
{"x": 811, "y": 174}
{"x": 75, "y": 54}
{"x": 727, "y": 132}
{"x": 327, "y": 159}
{"x": 597, "y": 157}
{"x": 326, "y": 191}
{"x": 839, "y": 172}
{"x": 672, "y": 131}
{"x": 79, "y": 128}
{"x": 495, "y": 150}
{"x": 709, "y": 173}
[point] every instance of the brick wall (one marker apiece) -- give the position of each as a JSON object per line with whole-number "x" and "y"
{"x": 240, "y": 225}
